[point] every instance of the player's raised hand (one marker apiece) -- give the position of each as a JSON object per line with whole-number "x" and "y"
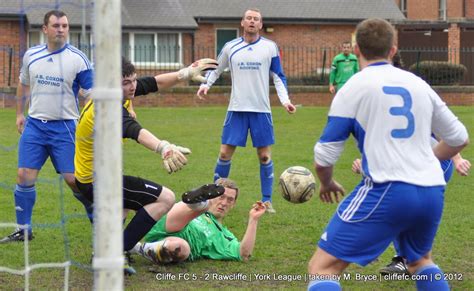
{"x": 357, "y": 166}
{"x": 173, "y": 159}
{"x": 195, "y": 70}
{"x": 257, "y": 210}
{"x": 332, "y": 189}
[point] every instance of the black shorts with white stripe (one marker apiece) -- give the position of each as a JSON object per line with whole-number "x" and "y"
{"x": 137, "y": 192}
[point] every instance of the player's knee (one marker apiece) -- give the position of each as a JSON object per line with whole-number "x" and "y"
{"x": 178, "y": 249}
{"x": 26, "y": 177}
{"x": 167, "y": 198}
{"x": 265, "y": 159}
{"x": 70, "y": 181}
{"x": 225, "y": 156}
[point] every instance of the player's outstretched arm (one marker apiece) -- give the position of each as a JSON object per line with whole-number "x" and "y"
{"x": 248, "y": 242}
{"x": 193, "y": 72}
{"x": 173, "y": 156}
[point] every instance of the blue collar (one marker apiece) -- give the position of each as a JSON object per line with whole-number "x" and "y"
{"x": 378, "y": 64}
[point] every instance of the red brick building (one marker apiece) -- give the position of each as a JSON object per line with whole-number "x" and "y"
{"x": 162, "y": 35}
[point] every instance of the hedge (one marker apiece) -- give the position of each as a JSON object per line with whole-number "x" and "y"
{"x": 438, "y": 72}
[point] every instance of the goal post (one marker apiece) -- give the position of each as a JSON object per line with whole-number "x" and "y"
{"x": 107, "y": 94}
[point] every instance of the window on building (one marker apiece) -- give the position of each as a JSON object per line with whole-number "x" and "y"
{"x": 223, "y": 35}
{"x": 34, "y": 38}
{"x": 442, "y": 9}
{"x": 84, "y": 45}
{"x": 144, "y": 48}
{"x": 126, "y": 45}
{"x": 403, "y": 7}
{"x": 168, "y": 48}
{"x": 156, "y": 48}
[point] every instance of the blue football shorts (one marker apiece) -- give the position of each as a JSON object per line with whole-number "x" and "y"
{"x": 42, "y": 139}
{"x": 374, "y": 215}
{"x": 237, "y": 125}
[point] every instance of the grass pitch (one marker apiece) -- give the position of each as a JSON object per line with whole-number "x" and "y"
{"x": 285, "y": 241}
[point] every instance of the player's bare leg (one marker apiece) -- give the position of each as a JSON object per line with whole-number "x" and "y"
{"x": 71, "y": 182}
{"x": 323, "y": 269}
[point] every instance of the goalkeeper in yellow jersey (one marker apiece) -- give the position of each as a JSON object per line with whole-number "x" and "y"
{"x": 149, "y": 199}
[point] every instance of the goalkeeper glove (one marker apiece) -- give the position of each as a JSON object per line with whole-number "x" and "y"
{"x": 172, "y": 155}
{"x": 194, "y": 71}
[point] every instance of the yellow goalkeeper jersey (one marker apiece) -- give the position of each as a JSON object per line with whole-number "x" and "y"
{"x": 84, "y": 158}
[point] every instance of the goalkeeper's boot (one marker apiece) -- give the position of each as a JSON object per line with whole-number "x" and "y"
{"x": 156, "y": 252}
{"x": 269, "y": 207}
{"x": 127, "y": 268}
{"x": 17, "y": 236}
{"x": 203, "y": 193}
{"x": 397, "y": 266}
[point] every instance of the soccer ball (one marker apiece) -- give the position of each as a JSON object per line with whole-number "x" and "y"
{"x": 297, "y": 184}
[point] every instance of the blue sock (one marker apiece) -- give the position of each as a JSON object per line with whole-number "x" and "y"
{"x": 25, "y": 197}
{"x": 434, "y": 280}
{"x": 136, "y": 229}
{"x": 222, "y": 169}
{"x": 88, "y": 206}
{"x": 326, "y": 285}
{"x": 266, "y": 181}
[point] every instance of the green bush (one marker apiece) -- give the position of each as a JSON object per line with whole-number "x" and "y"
{"x": 438, "y": 72}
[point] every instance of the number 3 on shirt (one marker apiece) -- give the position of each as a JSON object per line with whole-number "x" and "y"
{"x": 402, "y": 111}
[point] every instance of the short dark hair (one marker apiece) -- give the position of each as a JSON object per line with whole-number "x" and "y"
{"x": 254, "y": 10}
{"x": 375, "y": 37}
{"x": 57, "y": 13}
{"x": 128, "y": 68}
{"x": 228, "y": 183}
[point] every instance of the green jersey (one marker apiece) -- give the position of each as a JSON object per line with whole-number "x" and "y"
{"x": 342, "y": 68}
{"x": 206, "y": 236}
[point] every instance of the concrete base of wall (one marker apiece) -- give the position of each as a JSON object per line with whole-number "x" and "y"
{"x": 219, "y": 96}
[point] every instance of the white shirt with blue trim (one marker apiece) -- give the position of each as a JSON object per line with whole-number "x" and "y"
{"x": 392, "y": 114}
{"x": 55, "y": 79}
{"x": 251, "y": 65}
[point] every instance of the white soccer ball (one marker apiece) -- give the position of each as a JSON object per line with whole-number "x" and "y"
{"x": 297, "y": 184}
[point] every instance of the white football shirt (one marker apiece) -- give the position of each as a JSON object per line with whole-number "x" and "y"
{"x": 251, "y": 65}
{"x": 392, "y": 114}
{"x": 55, "y": 79}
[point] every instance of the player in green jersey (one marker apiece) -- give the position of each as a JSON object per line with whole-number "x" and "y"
{"x": 343, "y": 66}
{"x": 194, "y": 231}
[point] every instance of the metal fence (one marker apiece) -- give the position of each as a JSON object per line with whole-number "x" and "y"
{"x": 302, "y": 65}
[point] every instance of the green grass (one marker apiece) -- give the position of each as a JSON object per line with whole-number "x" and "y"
{"x": 285, "y": 241}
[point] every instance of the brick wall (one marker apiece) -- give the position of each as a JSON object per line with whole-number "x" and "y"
{"x": 422, "y": 9}
{"x": 455, "y": 8}
{"x": 293, "y": 41}
{"x": 469, "y": 9}
{"x": 10, "y": 40}
{"x": 454, "y": 42}
{"x": 219, "y": 96}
